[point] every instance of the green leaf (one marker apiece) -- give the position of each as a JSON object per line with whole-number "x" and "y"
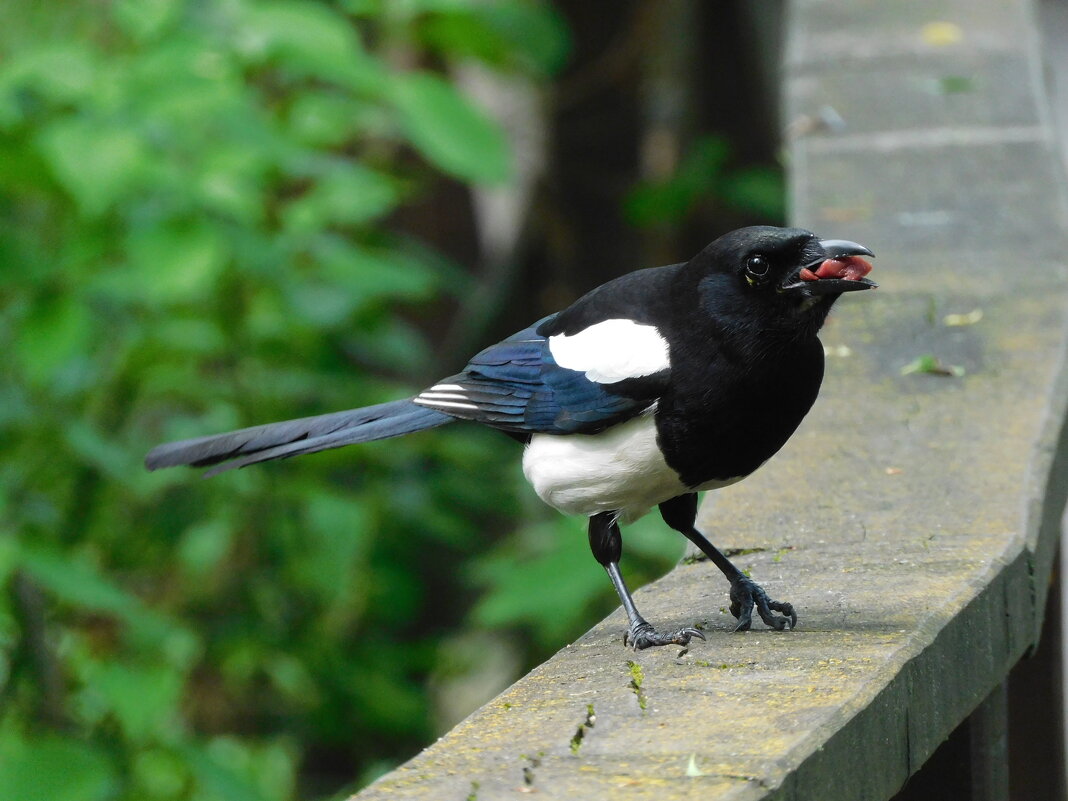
{"x": 60, "y": 73}
{"x": 57, "y": 331}
{"x": 407, "y": 10}
{"x": 95, "y": 449}
{"x": 510, "y": 34}
{"x": 757, "y": 189}
{"x": 932, "y": 365}
{"x": 373, "y": 274}
{"x": 176, "y": 262}
{"x": 348, "y": 194}
{"x": 189, "y": 335}
{"x": 145, "y": 19}
{"x": 448, "y": 130}
{"x": 80, "y": 585}
{"x": 535, "y": 32}
{"x": 337, "y": 527}
{"x": 955, "y": 84}
{"x": 220, "y": 778}
{"x": 671, "y": 199}
{"x": 325, "y": 120}
{"x": 160, "y": 772}
{"x": 204, "y": 545}
{"x": 9, "y": 554}
{"x": 514, "y": 579}
{"x": 691, "y": 767}
{"x": 97, "y": 163}
{"x": 320, "y": 305}
{"x": 308, "y": 39}
{"x": 142, "y": 698}
{"x": 53, "y": 769}
{"x": 392, "y": 345}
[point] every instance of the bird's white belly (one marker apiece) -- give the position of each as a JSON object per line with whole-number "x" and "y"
{"x": 618, "y": 470}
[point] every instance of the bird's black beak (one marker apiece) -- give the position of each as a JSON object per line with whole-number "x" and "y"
{"x": 837, "y": 267}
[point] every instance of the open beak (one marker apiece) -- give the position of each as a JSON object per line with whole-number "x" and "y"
{"x": 839, "y": 268}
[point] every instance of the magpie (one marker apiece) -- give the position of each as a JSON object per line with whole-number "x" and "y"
{"x": 651, "y": 388}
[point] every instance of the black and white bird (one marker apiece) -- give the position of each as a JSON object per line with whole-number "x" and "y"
{"x": 645, "y": 391}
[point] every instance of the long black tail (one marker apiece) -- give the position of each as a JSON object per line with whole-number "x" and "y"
{"x": 294, "y": 437}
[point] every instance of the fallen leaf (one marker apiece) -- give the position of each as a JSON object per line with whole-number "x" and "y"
{"x": 691, "y": 767}
{"x": 970, "y": 318}
{"x": 941, "y": 33}
{"x": 932, "y": 365}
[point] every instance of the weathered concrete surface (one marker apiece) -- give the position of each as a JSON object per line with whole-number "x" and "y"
{"x": 912, "y": 519}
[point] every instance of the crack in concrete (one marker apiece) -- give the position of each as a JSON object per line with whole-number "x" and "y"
{"x": 583, "y": 728}
{"x": 637, "y": 677}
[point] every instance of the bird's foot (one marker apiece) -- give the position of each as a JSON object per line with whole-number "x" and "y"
{"x": 747, "y": 594}
{"x": 642, "y": 635}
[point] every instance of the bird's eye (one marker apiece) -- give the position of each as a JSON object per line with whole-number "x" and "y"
{"x": 757, "y": 266}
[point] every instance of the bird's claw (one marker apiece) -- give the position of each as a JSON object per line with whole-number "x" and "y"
{"x": 644, "y": 636}
{"x": 746, "y": 595}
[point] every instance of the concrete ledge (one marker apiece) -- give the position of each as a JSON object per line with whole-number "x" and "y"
{"x": 913, "y": 520}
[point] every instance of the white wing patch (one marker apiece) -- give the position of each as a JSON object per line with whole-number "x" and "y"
{"x": 611, "y": 351}
{"x": 445, "y": 396}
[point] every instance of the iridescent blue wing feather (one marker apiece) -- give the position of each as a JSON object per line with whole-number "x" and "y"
{"x": 517, "y": 386}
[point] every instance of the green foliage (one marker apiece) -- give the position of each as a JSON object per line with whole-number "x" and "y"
{"x": 706, "y": 175}
{"x": 195, "y": 234}
{"x": 51, "y": 768}
{"x": 447, "y": 130}
{"x": 554, "y": 552}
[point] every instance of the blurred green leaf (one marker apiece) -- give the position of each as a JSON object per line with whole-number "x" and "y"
{"x": 98, "y": 163}
{"x": 706, "y": 174}
{"x": 270, "y": 766}
{"x": 78, "y": 584}
{"x": 53, "y": 769}
{"x": 514, "y": 33}
{"x": 373, "y": 274}
{"x": 159, "y": 773}
{"x": 534, "y": 31}
{"x": 58, "y": 72}
{"x": 757, "y": 189}
{"x": 145, "y": 19}
{"x": 556, "y": 555}
{"x": 932, "y": 365}
{"x": 955, "y": 84}
{"x": 326, "y": 119}
{"x": 57, "y": 330}
{"x": 448, "y": 130}
{"x": 142, "y": 698}
{"x": 93, "y": 448}
{"x": 219, "y": 778}
{"x": 204, "y": 545}
{"x": 337, "y": 528}
{"x": 174, "y": 262}
{"x": 190, "y": 335}
{"x": 671, "y": 199}
{"x": 347, "y": 194}
{"x": 9, "y": 553}
{"x": 307, "y": 38}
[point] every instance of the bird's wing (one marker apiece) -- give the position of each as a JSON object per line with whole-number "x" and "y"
{"x": 557, "y": 384}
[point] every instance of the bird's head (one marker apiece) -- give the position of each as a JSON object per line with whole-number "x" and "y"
{"x": 777, "y": 277}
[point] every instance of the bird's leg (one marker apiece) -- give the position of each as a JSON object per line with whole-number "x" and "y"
{"x": 607, "y": 546}
{"x": 680, "y": 513}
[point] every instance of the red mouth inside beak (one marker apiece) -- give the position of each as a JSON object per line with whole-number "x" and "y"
{"x": 847, "y": 268}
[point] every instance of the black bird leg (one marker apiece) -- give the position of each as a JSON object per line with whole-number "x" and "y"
{"x": 607, "y": 546}
{"x": 680, "y": 513}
